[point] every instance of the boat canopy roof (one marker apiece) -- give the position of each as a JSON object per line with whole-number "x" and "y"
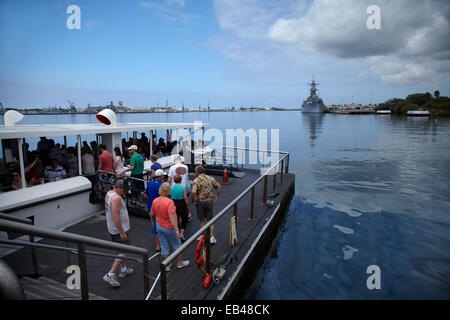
{"x": 51, "y": 130}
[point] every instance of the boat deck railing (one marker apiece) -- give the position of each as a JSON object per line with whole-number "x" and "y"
{"x": 283, "y": 163}
{"x": 21, "y": 226}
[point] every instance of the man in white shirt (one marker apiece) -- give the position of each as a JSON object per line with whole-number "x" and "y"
{"x": 182, "y": 170}
{"x": 54, "y": 172}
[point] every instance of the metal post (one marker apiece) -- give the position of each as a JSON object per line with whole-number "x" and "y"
{"x": 21, "y": 163}
{"x": 287, "y": 163}
{"x": 68, "y": 254}
{"x": 264, "y": 202}
{"x": 235, "y": 213}
{"x": 162, "y": 269}
{"x": 178, "y": 143}
{"x": 151, "y": 142}
{"x": 33, "y": 251}
{"x": 80, "y": 171}
{"x": 83, "y": 270}
{"x": 34, "y": 258}
{"x": 252, "y": 205}
{"x": 274, "y": 187}
{"x": 282, "y": 169}
{"x": 146, "y": 279}
{"x": 208, "y": 251}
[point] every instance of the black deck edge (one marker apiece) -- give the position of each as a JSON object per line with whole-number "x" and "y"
{"x": 246, "y": 272}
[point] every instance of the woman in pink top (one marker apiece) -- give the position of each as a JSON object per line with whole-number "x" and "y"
{"x": 163, "y": 209}
{"x": 118, "y": 161}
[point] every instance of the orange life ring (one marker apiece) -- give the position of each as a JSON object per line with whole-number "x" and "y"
{"x": 199, "y": 256}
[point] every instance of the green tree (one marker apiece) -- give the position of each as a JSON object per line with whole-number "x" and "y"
{"x": 437, "y": 94}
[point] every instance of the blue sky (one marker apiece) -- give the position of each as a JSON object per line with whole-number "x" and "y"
{"x": 240, "y": 53}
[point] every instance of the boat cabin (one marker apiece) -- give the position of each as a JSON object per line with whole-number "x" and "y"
{"x": 61, "y": 203}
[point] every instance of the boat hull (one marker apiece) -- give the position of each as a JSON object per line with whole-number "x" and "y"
{"x": 314, "y": 108}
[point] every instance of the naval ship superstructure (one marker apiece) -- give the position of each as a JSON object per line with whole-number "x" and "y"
{"x": 313, "y": 104}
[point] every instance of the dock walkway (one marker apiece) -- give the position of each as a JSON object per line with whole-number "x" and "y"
{"x": 241, "y": 259}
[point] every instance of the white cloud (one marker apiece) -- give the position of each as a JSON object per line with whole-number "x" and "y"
{"x": 414, "y": 34}
{"x": 168, "y": 11}
{"x": 287, "y": 38}
{"x": 178, "y": 2}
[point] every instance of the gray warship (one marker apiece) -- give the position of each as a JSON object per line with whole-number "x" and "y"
{"x": 313, "y": 104}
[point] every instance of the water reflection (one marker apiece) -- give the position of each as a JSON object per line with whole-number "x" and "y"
{"x": 313, "y": 122}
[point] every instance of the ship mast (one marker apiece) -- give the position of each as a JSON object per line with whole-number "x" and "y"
{"x": 313, "y": 89}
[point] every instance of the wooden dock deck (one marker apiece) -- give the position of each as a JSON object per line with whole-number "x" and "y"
{"x": 254, "y": 238}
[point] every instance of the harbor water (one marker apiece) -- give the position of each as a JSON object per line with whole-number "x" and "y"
{"x": 370, "y": 190}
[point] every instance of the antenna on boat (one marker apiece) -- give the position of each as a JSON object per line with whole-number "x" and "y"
{"x": 107, "y": 116}
{"x": 11, "y": 117}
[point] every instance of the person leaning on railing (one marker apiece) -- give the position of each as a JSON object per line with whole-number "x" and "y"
{"x": 137, "y": 169}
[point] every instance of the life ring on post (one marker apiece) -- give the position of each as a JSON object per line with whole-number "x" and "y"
{"x": 199, "y": 260}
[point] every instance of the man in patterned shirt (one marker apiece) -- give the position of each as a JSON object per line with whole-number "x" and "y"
{"x": 202, "y": 197}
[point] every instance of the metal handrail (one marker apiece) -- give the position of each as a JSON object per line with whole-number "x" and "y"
{"x": 81, "y": 241}
{"x": 206, "y": 227}
{"x": 121, "y": 176}
{"x": 70, "y": 237}
{"x": 20, "y": 243}
{"x": 14, "y": 218}
{"x": 29, "y": 221}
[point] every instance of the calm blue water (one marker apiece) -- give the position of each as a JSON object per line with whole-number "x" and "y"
{"x": 370, "y": 190}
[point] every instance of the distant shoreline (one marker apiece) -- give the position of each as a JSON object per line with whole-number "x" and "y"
{"x": 27, "y": 112}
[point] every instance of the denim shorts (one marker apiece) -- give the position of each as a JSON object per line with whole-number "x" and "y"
{"x": 167, "y": 239}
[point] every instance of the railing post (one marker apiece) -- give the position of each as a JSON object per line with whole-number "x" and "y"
{"x": 34, "y": 258}
{"x": 208, "y": 251}
{"x": 282, "y": 169}
{"x": 83, "y": 270}
{"x": 33, "y": 251}
{"x": 252, "y": 205}
{"x": 287, "y": 163}
{"x": 146, "y": 280}
{"x": 264, "y": 202}
{"x": 162, "y": 268}
{"x": 235, "y": 214}
{"x": 274, "y": 187}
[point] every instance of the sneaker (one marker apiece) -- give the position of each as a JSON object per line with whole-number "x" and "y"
{"x": 182, "y": 237}
{"x": 168, "y": 267}
{"x": 212, "y": 240}
{"x": 184, "y": 264}
{"x": 126, "y": 273}
{"x": 111, "y": 280}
